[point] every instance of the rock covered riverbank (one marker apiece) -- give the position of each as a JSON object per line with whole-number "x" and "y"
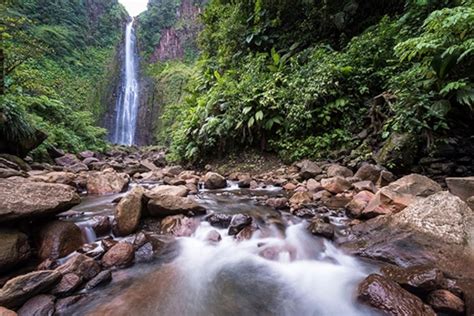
{"x": 418, "y": 232}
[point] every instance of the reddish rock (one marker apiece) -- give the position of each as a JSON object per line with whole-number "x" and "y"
{"x": 19, "y": 289}
{"x": 399, "y": 194}
{"x": 57, "y": 239}
{"x": 102, "y": 225}
{"x": 213, "y": 236}
{"x": 337, "y": 201}
{"x": 416, "y": 279}
{"x": 107, "y": 182}
{"x": 121, "y": 255}
{"x": 179, "y": 190}
{"x": 313, "y": 185}
{"x": 319, "y": 227}
{"x": 364, "y": 186}
{"x": 359, "y": 203}
{"x": 129, "y": 211}
{"x": 7, "y": 312}
{"x": 239, "y": 222}
{"x": 178, "y": 226}
{"x": 390, "y": 298}
{"x": 37, "y": 306}
{"x": 102, "y": 278}
{"x": 68, "y": 283}
{"x": 14, "y": 248}
{"x": 214, "y": 180}
{"x": 308, "y": 169}
{"x": 335, "y": 170}
{"x": 67, "y": 160}
{"x": 289, "y": 186}
{"x": 298, "y": 199}
{"x": 81, "y": 265}
{"x": 444, "y": 301}
{"x": 173, "y": 205}
{"x": 335, "y": 184}
{"x": 278, "y": 203}
{"x": 369, "y": 172}
{"x": 322, "y": 195}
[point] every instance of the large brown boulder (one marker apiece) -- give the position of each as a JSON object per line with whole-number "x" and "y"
{"x": 14, "y": 248}
{"x": 57, "y": 239}
{"x": 335, "y": 170}
{"x": 81, "y": 265}
{"x": 121, "y": 255}
{"x": 214, "y": 180}
{"x": 399, "y": 194}
{"x": 67, "y": 160}
{"x": 445, "y": 302}
{"x": 369, "y": 172}
{"x": 20, "y": 199}
{"x": 462, "y": 187}
{"x": 129, "y": 211}
{"x": 359, "y": 203}
{"x": 416, "y": 279}
{"x": 390, "y": 298}
{"x": 175, "y": 190}
{"x": 173, "y": 205}
{"x": 107, "y": 182}
{"x": 18, "y": 290}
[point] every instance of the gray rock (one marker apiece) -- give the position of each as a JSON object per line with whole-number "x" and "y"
{"x": 14, "y": 248}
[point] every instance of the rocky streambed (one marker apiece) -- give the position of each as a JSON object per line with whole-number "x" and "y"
{"x": 125, "y": 234}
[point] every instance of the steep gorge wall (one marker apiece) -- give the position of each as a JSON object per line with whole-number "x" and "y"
{"x": 176, "y": 42}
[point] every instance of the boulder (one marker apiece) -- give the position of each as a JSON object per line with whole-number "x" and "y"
{"x": 7, "y": 312}
{"x": 175, "y": 190}
{"x": 319, "y": 227}
{"x": 57, "y": 239}
{"x": 445, "y": 302}
{"x": 278, "y": 203}
{"x": 86, "y": 154}
{"x": 129, "y": 211}
{"x": 244, "y": 182}
{"x": 107, "y": 182}
{"x": 308, "y": 169}
{"x": 18, "y": 290}
{"x": 214, "y": 180}
{"x": 359, "y": 203}
{"x": 239, "y": 222}
{"x": 40, "y": 305}
{"x": 336, "y": 170}
{"x": 121, "y": 255}
{"x": 441, "y": 215}
{"x": 336, "y": 184}
{"x": 298, "y": 199}
{"x": 213, "y": 236}
{"x": 389, "y": 298}
{"x": 14, "y": 248}
{"x": 80, "y": 265}
{"x": 178, "y": 226}
{"x": 172, "y": 171}
{"x": 313, "y": 185}
{"x": 20, "y": 199}
{"x": 64, "y": 305}
{"x": 289, "y": 186}
{"x": 7, "y": 173}
{"x": 398, "y": 150}
{"x": 102, "y": 278}
{"x": 462, "y": 187}
{"x": 78, "y": 167}
{"x": 416, "y": 279}
{"x": 364, "y": 186}
{"x": 220, "y": 220}
{"x": 61, "y": 177}
{"x": 69, "y": 282}
{"x": 67, "y": 160}
{"x": 369, "y": 172}
{"x": 173, "y": 205}
{"x": 399, "y": 194}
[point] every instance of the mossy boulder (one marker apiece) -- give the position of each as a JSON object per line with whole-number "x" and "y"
{"x": 398, "y": 152}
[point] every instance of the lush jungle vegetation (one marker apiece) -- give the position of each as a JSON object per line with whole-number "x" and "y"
{"x": 55, "y": 56}
{"x": 314, "y": 78}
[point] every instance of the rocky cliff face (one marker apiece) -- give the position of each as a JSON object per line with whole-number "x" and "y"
{"x": 180, "y": 39}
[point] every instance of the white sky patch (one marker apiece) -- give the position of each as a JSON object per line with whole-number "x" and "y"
{"x": 134, "y": 7}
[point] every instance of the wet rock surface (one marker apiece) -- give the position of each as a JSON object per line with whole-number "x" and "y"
{"x": 58, "y": 239}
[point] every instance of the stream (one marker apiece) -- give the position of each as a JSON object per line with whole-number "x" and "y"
{"x": 281, "y": 270}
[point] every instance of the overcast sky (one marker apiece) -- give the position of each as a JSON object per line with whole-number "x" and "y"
{"x": 134, "y": 7}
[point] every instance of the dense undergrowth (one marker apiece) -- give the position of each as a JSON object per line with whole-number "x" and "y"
{"x": 56, "y": 58}
{"x": 306, "y": 85}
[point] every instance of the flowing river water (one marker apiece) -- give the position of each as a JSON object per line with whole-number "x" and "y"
{"x": 281, "y": 270}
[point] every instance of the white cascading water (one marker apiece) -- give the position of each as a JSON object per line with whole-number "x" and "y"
{"x": 127, "y": 102}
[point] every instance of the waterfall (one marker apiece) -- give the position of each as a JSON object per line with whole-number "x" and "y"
{"x": 127, "y": 102}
